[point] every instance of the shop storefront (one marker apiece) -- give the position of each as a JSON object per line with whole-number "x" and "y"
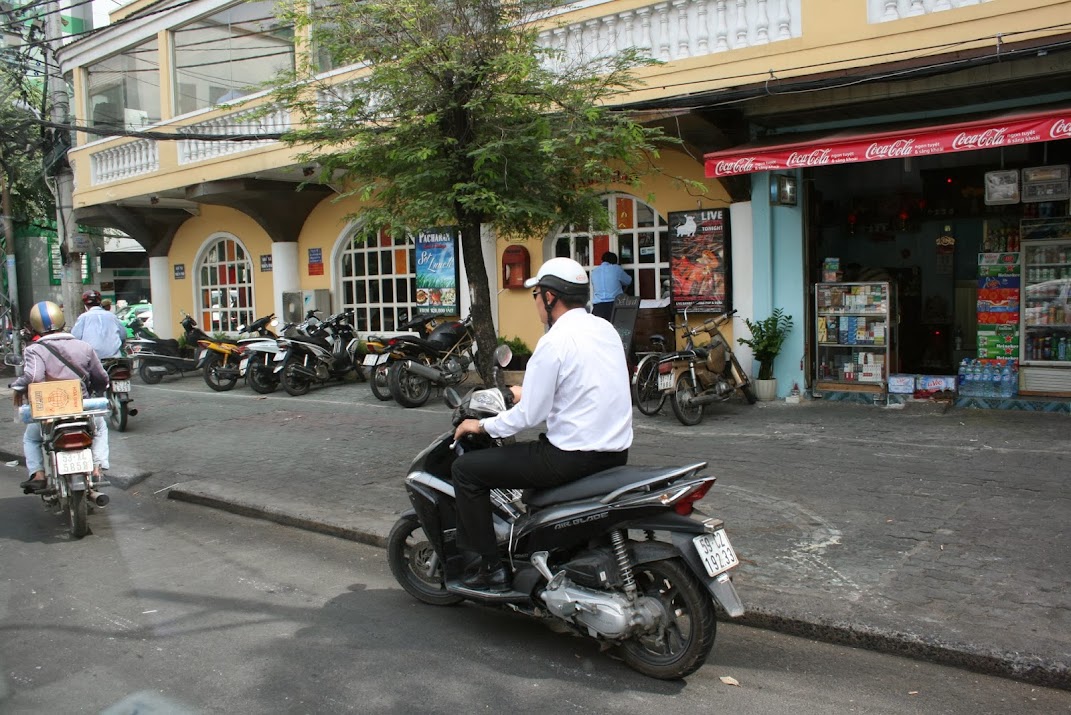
{"x": 933, "y": 254}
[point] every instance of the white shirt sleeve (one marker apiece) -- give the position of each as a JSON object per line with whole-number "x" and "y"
{"x": 537, "y": 395}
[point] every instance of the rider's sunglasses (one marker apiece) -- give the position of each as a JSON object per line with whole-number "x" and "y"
{"x": 535, "y": 294}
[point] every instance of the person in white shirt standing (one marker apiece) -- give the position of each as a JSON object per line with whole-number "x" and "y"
{"x": 577, "y": 382}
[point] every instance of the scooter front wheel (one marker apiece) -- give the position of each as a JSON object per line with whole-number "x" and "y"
{"x": 682, "y": 641}
{"x": 416, "y": 565}
{"x": 118, "y": 412}
{"x": 261, "y": 379}
{"x": 294, "y": 382}
{"x": 218, "y": 377}
{"x": 148, "y": 376}
{"x": 688, "y": 414}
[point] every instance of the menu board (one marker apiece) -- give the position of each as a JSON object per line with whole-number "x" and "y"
{"x": 699, "y": 259}
{"x": 437, "y": 272}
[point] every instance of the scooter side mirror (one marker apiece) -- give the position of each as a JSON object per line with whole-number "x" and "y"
{"x": 503, "y": 355}
{"x": 451, "y": 398}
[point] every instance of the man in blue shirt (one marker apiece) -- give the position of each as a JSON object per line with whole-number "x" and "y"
{"x": 98, "y": 327}
{"x": 608, "y": 280}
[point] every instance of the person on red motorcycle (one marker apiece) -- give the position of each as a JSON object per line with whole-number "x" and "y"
{"x": 577, "y": 382}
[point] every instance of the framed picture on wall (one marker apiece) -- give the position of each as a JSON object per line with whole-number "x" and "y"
{"x": 1002, "y": 187}
{"x": 699, "y": 259}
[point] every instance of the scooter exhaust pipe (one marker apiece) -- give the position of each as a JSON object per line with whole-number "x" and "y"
{"x": 424, "y": 371}
{"x": 707, "y": 399}
{"x": 98, "y": 498}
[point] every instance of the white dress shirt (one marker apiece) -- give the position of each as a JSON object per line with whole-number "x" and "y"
{"x": 577, "y": 382}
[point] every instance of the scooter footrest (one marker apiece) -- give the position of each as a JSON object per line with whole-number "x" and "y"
{"x": 485, "y": 596}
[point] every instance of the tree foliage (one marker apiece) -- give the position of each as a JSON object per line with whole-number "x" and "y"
{"x": 460, "y": 117}
{"x": 20, "y": 147}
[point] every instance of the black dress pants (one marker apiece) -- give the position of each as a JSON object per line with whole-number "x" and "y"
{"x": 603, "y": 310}
{"x": 525, "y": 465}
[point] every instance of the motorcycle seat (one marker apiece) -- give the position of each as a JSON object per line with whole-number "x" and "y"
{"x": 425, "y": 345}
{"x": 312, "y": 339}
{"x": 606, "y": 482}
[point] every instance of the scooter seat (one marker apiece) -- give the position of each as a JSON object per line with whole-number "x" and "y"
{"x": 606, "y": 482}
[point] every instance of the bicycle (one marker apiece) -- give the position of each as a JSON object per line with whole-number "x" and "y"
{"x": 645, "y": 393}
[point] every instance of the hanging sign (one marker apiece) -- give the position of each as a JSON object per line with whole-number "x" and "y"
{"x": 699, "y": 259}
{"x": 848, "y": 148}
{"x": 180, "y": 271}
{"x": 436, "y": 271}
{"x": 265, "y": 263}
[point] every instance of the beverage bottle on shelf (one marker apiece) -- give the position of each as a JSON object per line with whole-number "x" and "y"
{"x": 961, "y": 377}
{"x": 985, "y": 381}
{"x": 1061, "y": 349}
{"x": 1006, "y": 386}
{"x": 996, "y": 387}
{"x": 969, "y": 381}
{"x": 1029, "y": 347}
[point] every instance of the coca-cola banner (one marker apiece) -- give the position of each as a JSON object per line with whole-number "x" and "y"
{"x": 920, "y": 141}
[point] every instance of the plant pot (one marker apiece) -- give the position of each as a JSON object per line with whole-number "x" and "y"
{"x": 766, "y": 390}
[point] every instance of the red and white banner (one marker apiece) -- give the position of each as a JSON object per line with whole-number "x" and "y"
{"x": 920, "y": 141}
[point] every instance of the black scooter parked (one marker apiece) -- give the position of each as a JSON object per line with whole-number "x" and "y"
{"x": 157, "y": 357}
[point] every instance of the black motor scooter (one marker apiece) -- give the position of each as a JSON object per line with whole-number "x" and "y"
{"x": 569, "y": 551}
{"x": 157, "y": 356}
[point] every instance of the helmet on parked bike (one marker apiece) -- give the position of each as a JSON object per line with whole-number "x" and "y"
{"x": 564, "y": 277}
{"x": 91, "y": 298}
{"x": 46, "y": 317}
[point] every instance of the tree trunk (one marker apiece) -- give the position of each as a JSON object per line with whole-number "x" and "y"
{"x": 480, "y": 293}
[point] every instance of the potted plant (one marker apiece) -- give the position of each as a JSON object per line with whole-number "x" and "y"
{"x": 767, "y": 337}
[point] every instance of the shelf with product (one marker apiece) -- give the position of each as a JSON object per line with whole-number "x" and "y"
{"x": 853, "y": 337}
{"x": 1045, "y": 320}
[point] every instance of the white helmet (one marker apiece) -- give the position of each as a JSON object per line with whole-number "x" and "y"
{"x": 563, "y": 276}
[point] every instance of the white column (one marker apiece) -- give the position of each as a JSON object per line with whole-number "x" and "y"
{"x": 163, "y": 322}
{"x": 743, "y": 278}
{"x": 284, "y": 269}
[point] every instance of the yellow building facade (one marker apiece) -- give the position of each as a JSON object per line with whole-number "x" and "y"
{"x": 228, "y": 235}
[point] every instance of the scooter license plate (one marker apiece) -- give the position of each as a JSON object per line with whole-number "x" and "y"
{"x": 243, "y": 365}
{"x": 716, "y": 552}
{"x": 372, "y": 359}
{"x": 74, "y": 462}
{"x": 120, "y": 385}
{"x": 665, "y": 381}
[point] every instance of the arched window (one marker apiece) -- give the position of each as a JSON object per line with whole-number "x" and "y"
{"x": 378, "y": 278}
{"x": 225, "y": 286}
{"x": 641, "y": 243}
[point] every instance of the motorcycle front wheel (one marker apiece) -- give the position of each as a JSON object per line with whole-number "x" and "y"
{"x": 77, "y": 512}
{"x": 213, "y": 378}
{"x": 682, "y": 641}
{"x": 408, "y": 390}
{"x": 294, "y": 382}
{"x": 645, "y": 392}
{"x": 261, "y": 378}
{"x": 415, "y": 564}
{"x": 147, "y": 376}
{"x": 379, "y": 382}
{"x": 117, "y": 412}
{"x": 689, "y": 415}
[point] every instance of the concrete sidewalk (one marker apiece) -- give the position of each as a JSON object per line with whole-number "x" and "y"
{"x": 928, "y": 532}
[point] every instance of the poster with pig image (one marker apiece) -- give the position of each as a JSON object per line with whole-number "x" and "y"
{"x": 436, "y": 271}
{"x": 699, "y": 259}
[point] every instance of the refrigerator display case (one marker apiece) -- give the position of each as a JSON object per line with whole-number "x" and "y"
{"x": 1045, "y": 318}
{"x": 854, "y": 337}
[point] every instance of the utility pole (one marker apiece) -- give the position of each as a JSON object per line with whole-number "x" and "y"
{"x": 66, "y": 230}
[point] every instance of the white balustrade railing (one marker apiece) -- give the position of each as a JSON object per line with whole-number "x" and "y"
{"x": 889, "y": 10}
{"x": 678, "y": 29}
{"x": 249, "y": 121}
{"x": 124, "y": 161}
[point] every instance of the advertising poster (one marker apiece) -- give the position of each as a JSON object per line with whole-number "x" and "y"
{"x": 699, "y": 259}
{"x": 436, "y": 272}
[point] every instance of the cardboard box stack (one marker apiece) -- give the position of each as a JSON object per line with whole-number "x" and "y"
{"x": 998, "y": 305}
{"x": 831, "y": 272}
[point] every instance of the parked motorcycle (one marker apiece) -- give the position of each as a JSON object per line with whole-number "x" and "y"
{"x": 221, "y": 359}
{"x": 257, "y": 364}
{"x": 440, "y": 360}
{"x": 118, "y": 393}
{"x": 68, "y": 463}
{"x": 157, "y": 357}
{"x": 383, "y": 353}
{"x": 330, "y": 352}
{"x": 698, "y": 376}
{"x": 568, "y": 549}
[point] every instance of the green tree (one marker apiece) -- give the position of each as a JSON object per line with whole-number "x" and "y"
{"x": 27, "y": 196}
{"x": 463, "y": 119}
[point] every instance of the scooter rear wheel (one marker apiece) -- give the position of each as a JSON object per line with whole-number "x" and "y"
{"x": 378, "y": 381}
{"x": 77, "y": 511}
{"x": 407, "y": 388}
{"x": 261, "y": 379}
{"x": 689, "y": 415}
{"x": 218, "y": 381}
{"x": 117, "y": 412}
{"x": 416, "y": 565}
{"x": 148, "y": 376}
{"x": 682, "y": 643}
{"x": 294, "y": 382}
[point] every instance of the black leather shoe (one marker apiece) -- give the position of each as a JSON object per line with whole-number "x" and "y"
{"x": 494, "y": 579}
{"x": 32, "y": 485}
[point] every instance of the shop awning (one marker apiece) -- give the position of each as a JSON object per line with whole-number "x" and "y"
{"x": 854, "y": 146}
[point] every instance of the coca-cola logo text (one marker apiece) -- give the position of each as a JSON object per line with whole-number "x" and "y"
{"x": 818, "y": 157}
{"x": 990, "y": 137}
{"x": 900, "y": 147}
{"x": 743, "y": 165}
{"x": 1060, "y": 130}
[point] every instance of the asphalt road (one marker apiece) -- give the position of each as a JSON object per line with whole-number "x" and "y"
{"x": 182, "y": 609}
